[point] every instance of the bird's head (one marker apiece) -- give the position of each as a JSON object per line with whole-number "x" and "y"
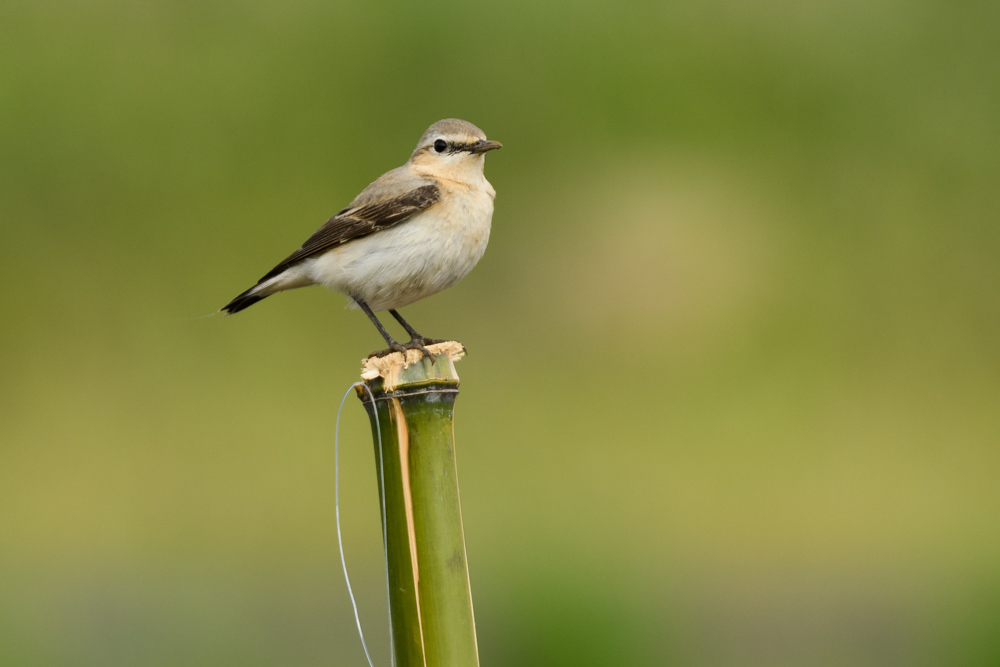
{"x": 454, "y": 149}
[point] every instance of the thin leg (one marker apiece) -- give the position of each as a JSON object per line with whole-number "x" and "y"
{"x": 413, "y": 332}
{"x": 416, "y": 343}
{"x": 393, "y": 345}
{"x": 406, "y": 325}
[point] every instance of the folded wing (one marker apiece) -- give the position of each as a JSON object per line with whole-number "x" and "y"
{"x": 368, "y": 215}
{"x": 355, "y": 223}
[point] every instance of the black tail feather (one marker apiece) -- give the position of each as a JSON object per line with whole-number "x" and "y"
{"x": 244, "y": 300}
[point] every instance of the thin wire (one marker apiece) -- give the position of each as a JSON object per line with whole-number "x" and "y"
{"x": 340, "y": 539}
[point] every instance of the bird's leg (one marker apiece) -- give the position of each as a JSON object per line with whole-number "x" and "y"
{"x": 416, "y": 340}
{"x": 393, "y": 344}
{"x": 406, "y": 325}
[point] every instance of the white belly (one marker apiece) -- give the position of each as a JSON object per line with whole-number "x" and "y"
{"x": 420, "y": 257}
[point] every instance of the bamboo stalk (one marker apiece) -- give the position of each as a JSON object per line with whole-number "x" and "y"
{"x": 429, "y": 593}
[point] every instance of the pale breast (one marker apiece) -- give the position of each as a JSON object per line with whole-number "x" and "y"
{"x": 415, "y": 259}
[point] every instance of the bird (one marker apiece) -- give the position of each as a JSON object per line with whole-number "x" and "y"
{"x": 413, "y": 232}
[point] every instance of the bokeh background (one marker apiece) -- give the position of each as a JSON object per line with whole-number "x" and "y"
{"x": 733, "y": 391}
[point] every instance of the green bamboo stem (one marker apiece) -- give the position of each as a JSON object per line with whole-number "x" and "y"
{"x": 429, "y": 593}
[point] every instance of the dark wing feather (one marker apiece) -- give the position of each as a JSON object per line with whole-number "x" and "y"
{"x": 355, "y": 223}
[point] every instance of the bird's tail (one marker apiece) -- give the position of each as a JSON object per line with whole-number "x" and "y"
{"x": 289, "y": 279}
{"x": 245, "y": 300}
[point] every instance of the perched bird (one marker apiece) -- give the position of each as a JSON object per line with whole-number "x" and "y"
{"x": 415, "y": 231}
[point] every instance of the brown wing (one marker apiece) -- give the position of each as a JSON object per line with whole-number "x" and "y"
{"x": 355, "y": 223}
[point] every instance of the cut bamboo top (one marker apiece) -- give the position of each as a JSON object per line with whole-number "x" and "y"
{"x": 395, "y": 369}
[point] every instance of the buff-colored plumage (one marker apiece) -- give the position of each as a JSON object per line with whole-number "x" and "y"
{"x": 415, "y": 231}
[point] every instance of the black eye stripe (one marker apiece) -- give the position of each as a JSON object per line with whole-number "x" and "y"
{"x": 442, "y": 146}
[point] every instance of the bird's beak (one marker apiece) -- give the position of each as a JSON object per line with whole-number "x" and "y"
{"x": 483, "y": 146}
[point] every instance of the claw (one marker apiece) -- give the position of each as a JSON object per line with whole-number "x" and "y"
{"x": 418, "y": 344}
{"x": 432, "y": 341}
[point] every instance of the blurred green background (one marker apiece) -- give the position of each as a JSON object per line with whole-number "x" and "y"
{"x": 733, "y": 391}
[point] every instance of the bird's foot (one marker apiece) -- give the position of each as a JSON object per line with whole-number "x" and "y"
{"x": 420, "y": 344}
{"x": 431, "y": 341}
{"x": 413, "y": 344}
{"x": 394, "y": 346}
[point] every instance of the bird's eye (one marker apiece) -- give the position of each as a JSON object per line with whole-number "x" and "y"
{"x": 440, "y": 145}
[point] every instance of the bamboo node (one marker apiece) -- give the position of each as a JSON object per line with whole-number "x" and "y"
{"x": 390, "y": 366}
